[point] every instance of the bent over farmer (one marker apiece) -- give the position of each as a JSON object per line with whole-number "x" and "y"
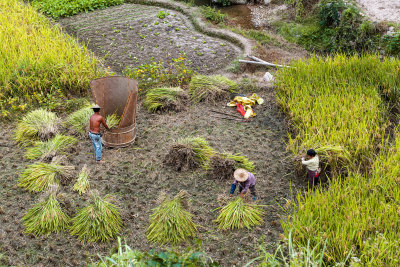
{"x": 312, "y": 165}
{"x": 94, "y": 131}
{"x": 246, "y": 181}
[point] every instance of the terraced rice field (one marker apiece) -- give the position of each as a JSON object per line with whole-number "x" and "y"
{"x": 130, "y": 35}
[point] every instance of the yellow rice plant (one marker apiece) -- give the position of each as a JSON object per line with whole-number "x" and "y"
{"x": 82, "y": 184}
{"x": 38, "y": 58}
{"x": 49, "y": 149}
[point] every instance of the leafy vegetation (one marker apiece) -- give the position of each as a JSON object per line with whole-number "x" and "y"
{"x": 30, "y": 76}
{"x": 65, "y": 8}
{"x": 48, "y": 149}
{"x": 238, "y": 214}
{"x": 170, "y": 222}
{"x": 39, "y": 176}
{"x": 125, "y": 256}
{"x": 46, "y": 216}
{"x": 336, "y": 102}
{"x": 99, "y": 221}
{"x": 37, "y": 124}
{"x": 212, "y": 14}
{"x": 334, "y": 26}
{"x": 210, "y": 88}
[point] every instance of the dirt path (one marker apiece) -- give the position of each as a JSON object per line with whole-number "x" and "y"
{"x": 130, "y": 35}
{"x": 137, "y": 176}
{"x": 381, "y": 10}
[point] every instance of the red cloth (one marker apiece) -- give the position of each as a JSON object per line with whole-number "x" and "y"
{"x": 240, "y": 109}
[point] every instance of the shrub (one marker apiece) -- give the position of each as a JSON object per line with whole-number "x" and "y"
{"x": 37, "y": 124}
{"x": 38, "y": 176}
{"x": 170, "y": 222}
{"x": 29, "y": 75}
{"x": 392, "y": 43}
{"x": 98, "y": 221}
{"x": 82, "y": 184}
{"x": 47, "y": 150}
{"x": 170, "y": 98}
{"x": 46, "y": 216}
{"x": 212, "y": 14}
{"x": 66, "y": 8}
{"x": 211, "y": 88}
{"x": 238, "y": 214}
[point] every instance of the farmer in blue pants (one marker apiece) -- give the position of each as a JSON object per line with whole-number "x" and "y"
{"x": 246, "y": 181}
{"x": 94, "y": 133}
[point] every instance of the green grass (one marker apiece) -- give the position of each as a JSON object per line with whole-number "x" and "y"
{"x": 38, "y": 60}
{"x": 37, "y": 124}
{"x": 99, "y": 221}
{"x": 47, "y": 150}
{"x": 339, "y": 102}
{"x": 212, "y": 14}
{"x": 46, "y": 217}
{"x": 211, "y": 88}
{"x": 171, "y": 223}
{"x": 66, "y": 8}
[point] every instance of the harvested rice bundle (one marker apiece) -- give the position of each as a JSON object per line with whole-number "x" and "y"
{"x": 38, "y": 176}
{"x": 241, "y": 161}
{"x": 37, "y": 124}
{"x": 113, "y": 120}
{"x": 98, "y": 221}
{"x": 333, "y": 155}
{"x": 82, "y": 184}
{"x": 173, "y": 98}
{"x": 222, "y": 168}
{"x": 189, "y": 153}
{"x": 79, "y": 120}
{"x": 238, "y": 214}
{"x": 49, "y": 149}
{"x": 170, "y": 222}
{"x": 211, "y": 88}
{"x": 46, "y": 216}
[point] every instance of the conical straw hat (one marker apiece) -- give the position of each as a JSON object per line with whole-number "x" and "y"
{"x": 241, "y": 175}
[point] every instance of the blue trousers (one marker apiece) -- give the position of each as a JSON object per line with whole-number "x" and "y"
{"x": 96, "y": 140}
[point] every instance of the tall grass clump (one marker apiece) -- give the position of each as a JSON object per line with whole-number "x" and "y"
{"x": 357, "y": 215}
{"x": 66, "y": 8}
{"x": 170, "y": 222}
{"x": 37, "y": 124}
{"x": 238, "y": 214}
{"x": 337, "y": 102}
{"x": 78, "y": 121}
{"x": 46, "y": 216}
{"x": 38, "y": 176}
{"x": 165, "y": 98}
{"x": 100, "y": 221}
{"x": 211, "y": 88}
{"x": 48, "y": 149}
{"x": 38, "y": 60}
{"x": 82, "y": 184}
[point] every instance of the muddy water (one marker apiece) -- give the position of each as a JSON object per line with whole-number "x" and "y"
{"x": 240, "y": 14}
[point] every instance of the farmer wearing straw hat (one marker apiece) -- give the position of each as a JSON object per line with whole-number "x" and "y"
{"x": 246, "y": 181}
{"x": 94, "y": 133}
{"x": 312, "y": 165}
